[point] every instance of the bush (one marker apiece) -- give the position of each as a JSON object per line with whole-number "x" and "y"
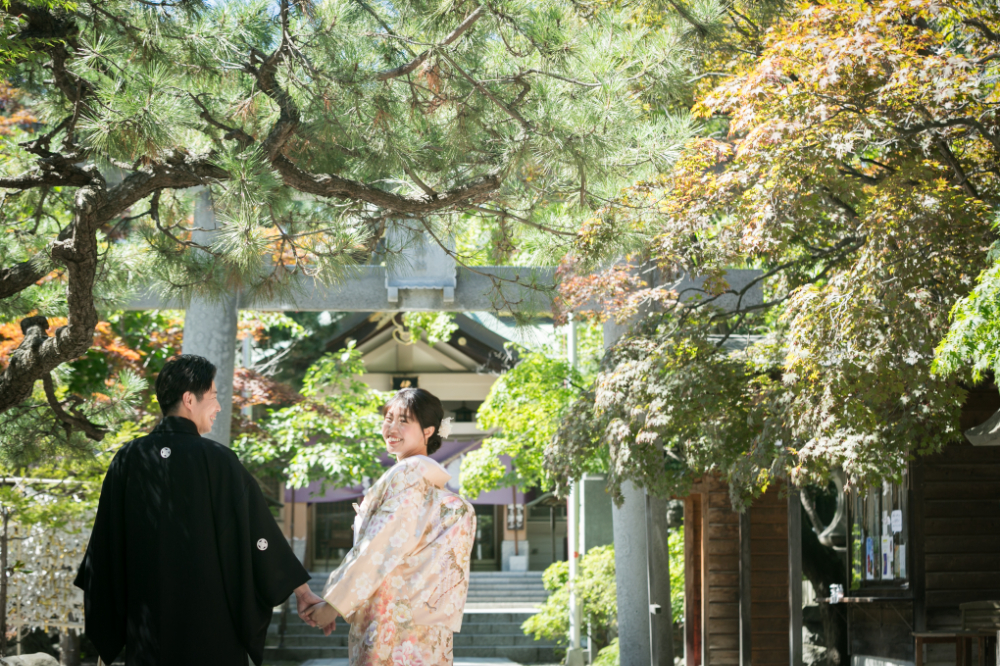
{"x": 598, "y": 596}
{"x": 608, "y": 656}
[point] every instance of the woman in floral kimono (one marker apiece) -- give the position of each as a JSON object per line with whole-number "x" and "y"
{"x": 403, "y": 585}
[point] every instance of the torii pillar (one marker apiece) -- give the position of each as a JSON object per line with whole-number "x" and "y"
{"x": 210, "y": 327}
{"x": 645, "y": 625}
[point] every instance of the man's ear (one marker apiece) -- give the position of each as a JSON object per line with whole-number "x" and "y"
{"x": 188, "y": 399}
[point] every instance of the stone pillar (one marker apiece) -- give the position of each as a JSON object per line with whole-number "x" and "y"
{"x": 631, "y": 577}
{"x": 210, "y": 329}
{"x": 661, "y": 623}
{"x": 631, "y": 565}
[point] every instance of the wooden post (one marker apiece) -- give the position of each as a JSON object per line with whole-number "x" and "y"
{"x": 706, "y": 501}
{"x": 794, "y": 578}
{"x": 310, "y": 541}
{"x": 745, "y": 590}
{"x": 513, "y": 520}
{"x": 692, "y": 580}
{"x": 915, "y": 550}
{"x": 552, "y": 528}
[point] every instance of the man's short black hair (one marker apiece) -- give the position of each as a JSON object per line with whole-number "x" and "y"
{"x": 181, "y": 374}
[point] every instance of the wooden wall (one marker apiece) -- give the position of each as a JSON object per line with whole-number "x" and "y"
{"x": 957, "y": 493}
{"x": 769, "y": 612}
{"x": 712, "y": 540}
{"x": 956, "y": 496}
{"x": 711, "y": 545}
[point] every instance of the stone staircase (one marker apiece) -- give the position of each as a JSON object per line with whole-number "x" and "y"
{"x": 490, "y": 590}
{"x": 498, "y": 603}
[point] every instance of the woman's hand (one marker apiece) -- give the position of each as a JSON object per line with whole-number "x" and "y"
{"x": 305, "y": 599}
{"x": 325, "y": 616}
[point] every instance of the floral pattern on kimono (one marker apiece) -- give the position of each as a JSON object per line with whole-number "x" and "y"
{"x": 403, "y": 585}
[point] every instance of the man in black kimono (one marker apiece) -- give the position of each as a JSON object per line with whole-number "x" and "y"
{"x": 185, "y": 563}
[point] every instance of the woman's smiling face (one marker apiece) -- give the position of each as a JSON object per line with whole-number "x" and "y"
{"x": 402, "y": 433}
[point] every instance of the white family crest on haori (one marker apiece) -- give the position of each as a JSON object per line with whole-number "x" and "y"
{"x": 165, "y": 452}
{"x": 262, "y": 544}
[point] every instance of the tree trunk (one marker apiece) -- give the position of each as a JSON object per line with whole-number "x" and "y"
{"x": 823, "y": 567}
{"x": 69, "y": 647}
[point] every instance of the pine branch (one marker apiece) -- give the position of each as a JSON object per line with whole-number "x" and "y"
{"x": 462, "y": 28}
{"x": 266, "y": 75}
{"x": 19, "y": 277}
{"x": 329, "y": 185}
{"x": 78, "y": 251}
{"x": 72, "y": 176}
{"x": 70, "y": 422}
{"x": 483, "y": 89}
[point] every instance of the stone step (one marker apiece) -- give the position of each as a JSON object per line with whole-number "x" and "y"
{"x": 509, "y": 582}
{"x": 520, "y": 655}
{"x": 477, "y": 618}
{"x": 470, "y": 629}
{"x": 318, "y": 640}
{"x": 488, "y": 630}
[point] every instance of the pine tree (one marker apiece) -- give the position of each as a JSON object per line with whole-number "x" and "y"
{"x": 315, "y": 124}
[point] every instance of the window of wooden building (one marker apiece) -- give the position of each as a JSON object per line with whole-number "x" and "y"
{"x": 879, "y": 535}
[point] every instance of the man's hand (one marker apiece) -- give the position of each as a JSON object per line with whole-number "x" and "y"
{"x": 325, "y": 616}
{"x": 306, "y": 599}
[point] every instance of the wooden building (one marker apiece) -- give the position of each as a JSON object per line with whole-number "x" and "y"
{"x": 949, "y": 531}
{"x": 738, "y": 609}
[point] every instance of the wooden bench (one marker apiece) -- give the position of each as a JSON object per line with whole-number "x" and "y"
{"x": 962, "y": 640}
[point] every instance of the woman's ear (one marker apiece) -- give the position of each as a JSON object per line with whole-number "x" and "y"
{"x": 428, "y": 431}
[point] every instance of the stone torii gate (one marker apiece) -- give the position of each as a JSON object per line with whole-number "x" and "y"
{"x": 427, "y": 279}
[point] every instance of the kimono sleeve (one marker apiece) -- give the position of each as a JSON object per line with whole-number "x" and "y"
{"x": 390, "y": 532}
{"x": 102, "y": 572}
{"x": 258, "y": 566}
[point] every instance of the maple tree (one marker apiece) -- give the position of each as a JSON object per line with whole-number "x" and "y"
{"x": 855, "y": 166}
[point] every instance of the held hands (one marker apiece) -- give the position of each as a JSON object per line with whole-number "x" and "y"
{"x": 323, "y": 615}
{"x": 306, "y": 599}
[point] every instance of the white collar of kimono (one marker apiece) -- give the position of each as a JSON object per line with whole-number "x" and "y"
{"x": 433, "y": 470}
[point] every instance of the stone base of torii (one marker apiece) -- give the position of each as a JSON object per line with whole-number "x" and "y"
{"x": 427, "y": 279}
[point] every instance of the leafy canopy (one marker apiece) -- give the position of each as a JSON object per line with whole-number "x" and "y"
{"x": 858, "y": 174}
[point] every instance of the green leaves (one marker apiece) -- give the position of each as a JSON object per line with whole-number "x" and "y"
{"x": 525, "y": 406}
{"x": 972, "y": 345}
{"x": 434, "y": 327}
{"x": 595, "y": 588}
{"x": 869, "y": 220}
{"x": 334, "y": 434}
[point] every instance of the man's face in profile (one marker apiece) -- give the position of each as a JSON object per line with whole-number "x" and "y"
{"x": 204, "y": 411}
